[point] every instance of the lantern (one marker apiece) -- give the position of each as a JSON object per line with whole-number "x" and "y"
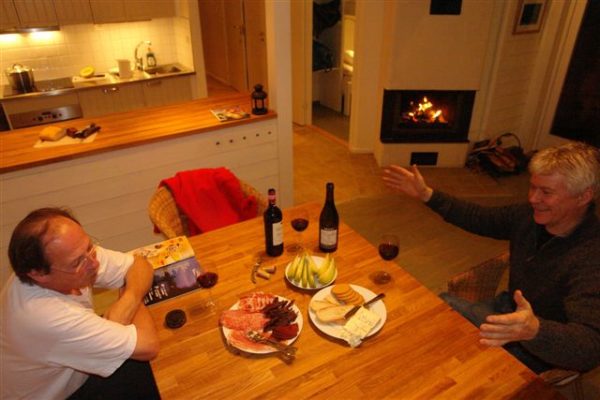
{"x": 259, "y": 97}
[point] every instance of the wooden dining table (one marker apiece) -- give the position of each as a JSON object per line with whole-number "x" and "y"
{"x": 424, "y": 350}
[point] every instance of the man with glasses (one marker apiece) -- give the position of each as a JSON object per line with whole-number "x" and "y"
{"x": 52, "y": 344}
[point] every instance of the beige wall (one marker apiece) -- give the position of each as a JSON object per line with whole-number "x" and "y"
{"x": 443, "y": 52}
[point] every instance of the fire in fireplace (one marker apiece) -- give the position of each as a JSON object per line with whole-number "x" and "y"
{"x": 425, "y": 116}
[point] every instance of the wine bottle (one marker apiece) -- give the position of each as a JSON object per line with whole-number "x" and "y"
{"x": 273, "y": 227}
{"x": 328, "y": 223}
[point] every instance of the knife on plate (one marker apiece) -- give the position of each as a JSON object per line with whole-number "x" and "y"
{"x": 356, "y": 308}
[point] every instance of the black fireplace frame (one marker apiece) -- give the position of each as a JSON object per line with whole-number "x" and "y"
{"x": 457, "y": 132}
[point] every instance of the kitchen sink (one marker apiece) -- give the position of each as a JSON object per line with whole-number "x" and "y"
{"x": 163, "y": 69}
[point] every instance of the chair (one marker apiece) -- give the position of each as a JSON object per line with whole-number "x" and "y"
{"x": 482, "y": 282}
{"x": 165, "y": 215}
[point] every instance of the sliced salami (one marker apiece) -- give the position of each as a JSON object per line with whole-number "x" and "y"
{"x": 243, "y": 320}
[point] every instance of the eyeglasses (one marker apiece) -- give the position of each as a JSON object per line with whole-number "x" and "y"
{"x": 82, "y": 262}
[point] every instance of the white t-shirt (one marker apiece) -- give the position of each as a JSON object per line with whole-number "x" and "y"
{"x": 50, "y": 342}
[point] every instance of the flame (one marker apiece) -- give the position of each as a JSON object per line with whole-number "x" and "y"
{"x": 424, "y": 112}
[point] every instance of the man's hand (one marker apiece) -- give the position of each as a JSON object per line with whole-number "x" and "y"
{"x": 137, "y": 283}
{"x": 410, "y": 183}
{"x": 503, "y": 328}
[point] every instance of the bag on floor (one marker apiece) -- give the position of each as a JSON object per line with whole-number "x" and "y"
{"x": 497, "y": 158}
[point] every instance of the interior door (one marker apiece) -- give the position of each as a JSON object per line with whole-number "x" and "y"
{"x": 256, "y": 44}
{"x": 236, "y": 44}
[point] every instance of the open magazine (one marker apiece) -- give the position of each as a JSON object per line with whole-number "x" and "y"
{"x": 229, "y": 114}
{"x": 175, "y": 268}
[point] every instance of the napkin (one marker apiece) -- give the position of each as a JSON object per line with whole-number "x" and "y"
{"x": 359, "y": 326}
{"x": 64, "y": 141}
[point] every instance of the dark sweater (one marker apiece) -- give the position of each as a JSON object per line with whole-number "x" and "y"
{"x": 559, "y": 277}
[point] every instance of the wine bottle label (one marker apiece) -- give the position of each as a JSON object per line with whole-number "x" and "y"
{"x": 328, "y": 237}
{"x": 277, "y": 233}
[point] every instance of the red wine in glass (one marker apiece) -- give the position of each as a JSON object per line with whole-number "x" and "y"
{"x": 207, "y": 279}
{"x": 299, "y": 224}
{"x": 388, "y": 251}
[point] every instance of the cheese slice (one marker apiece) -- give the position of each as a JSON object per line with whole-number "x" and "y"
{"x": 359, "y": 326}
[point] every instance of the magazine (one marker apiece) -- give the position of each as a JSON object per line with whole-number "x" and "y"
{"x": 229, "y": 114}
{"x": 175, "y": 268}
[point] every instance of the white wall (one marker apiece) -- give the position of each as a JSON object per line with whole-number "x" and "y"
{"x": 63, "y": 53}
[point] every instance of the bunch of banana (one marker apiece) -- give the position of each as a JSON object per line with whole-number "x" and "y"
{"x": 305, "y": 273}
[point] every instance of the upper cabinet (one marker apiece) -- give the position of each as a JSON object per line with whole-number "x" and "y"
{"x": 106, "y": 11}
{"x": 149, "y": 9}
{"x": 27, "y": 14}
{"x": 21, "y": 14}
{"x": 71, "y": 12}
{"x": 8, "y": 16}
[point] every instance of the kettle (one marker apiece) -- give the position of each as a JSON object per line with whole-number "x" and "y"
{"x": 21, "y": 78}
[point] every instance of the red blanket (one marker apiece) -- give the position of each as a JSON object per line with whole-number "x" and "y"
{"x": 210, "y": 198}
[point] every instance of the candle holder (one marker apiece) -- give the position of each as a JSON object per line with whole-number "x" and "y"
{"x": 259, "y": 97}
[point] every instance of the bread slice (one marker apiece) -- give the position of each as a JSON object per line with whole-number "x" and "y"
{"x": 52, "y": 133}
{"x": 333, "y": 314}
{"x": 317, "y": 305}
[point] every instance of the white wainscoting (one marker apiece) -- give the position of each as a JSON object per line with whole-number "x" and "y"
{"x": 109, "y": 192}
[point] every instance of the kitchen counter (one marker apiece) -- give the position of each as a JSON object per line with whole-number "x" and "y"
{"x": 96, "y": 82}
{"x": 123, "y": 130}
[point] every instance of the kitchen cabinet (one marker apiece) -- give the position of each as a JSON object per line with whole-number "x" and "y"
{"x": 27, "y": 14}
{"x": 160, "y": 92}
{"x": 9, "y": 20}
{"x": 72, "y": 12}
{"x": 149, "y": 9}
{"x": 107, "y": 11}
{"x": 17, "y": 106}
{"x": 111, "y": 99}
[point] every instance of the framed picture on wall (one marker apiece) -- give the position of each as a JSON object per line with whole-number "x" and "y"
{"x": 530, "y": 16}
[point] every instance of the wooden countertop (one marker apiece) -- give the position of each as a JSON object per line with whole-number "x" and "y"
{"x": 424, "y": 350}
{"x": 122, "y": 130}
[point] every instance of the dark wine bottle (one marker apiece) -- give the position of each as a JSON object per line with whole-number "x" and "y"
{"x": 273, "y": 227}
{"x": 328, "y": 223}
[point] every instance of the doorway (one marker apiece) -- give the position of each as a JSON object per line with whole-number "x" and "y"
{"x": 330, "y": 30}
{"x": 234, "y": 43}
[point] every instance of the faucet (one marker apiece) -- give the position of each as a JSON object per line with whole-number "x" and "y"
{"x": 139, "y": 61}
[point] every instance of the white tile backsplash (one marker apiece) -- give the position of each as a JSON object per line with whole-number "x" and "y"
{"x": 63, "y": 53}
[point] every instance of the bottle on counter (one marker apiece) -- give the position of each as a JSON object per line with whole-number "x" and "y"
{"x": 273, "y": 227}
{"x": 328, "y": 223}
{"x": 150, "y": 58}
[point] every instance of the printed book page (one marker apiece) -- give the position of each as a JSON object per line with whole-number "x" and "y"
{"x": 175, "y": 268}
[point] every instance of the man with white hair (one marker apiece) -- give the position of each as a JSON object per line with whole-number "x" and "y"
{"x": 550, "y": 316}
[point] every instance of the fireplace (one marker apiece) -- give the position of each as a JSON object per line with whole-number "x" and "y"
{"x": 426, "y": 116}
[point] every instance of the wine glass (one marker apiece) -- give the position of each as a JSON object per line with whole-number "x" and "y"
{"x": 388, "y": 250}
{"x": 206, "y": 280}
{"x": 299, "y": 223}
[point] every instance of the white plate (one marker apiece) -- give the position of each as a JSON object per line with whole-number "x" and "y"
{"x": 299, "y": 320}
{"x": 318, "y": 261}
{"x": 335, "y": 330}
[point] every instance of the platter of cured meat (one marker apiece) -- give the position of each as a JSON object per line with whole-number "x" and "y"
{"x": 274, "y": 317}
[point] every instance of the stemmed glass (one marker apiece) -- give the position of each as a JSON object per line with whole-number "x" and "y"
{"x": 388, "y": 250}
{"x": 299, "y": 222}
{"x": 207, "y": 279}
